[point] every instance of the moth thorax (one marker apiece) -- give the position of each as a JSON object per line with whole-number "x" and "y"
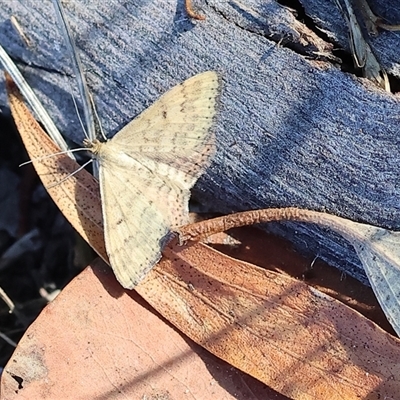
{"x": 93, "y": 145}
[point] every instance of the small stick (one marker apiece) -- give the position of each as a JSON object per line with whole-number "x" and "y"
{"x": 7, "y": 300}
{"x": 11, "y": 306}
{"x": 8, "y": 340}
{"x": 18, "y": 28}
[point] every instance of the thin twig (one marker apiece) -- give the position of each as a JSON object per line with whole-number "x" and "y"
{"x": 8, "y": 340}
{"x": 11, "y": 306}
{"x": 7, "y": 300}
{"x": 19, "y": 30}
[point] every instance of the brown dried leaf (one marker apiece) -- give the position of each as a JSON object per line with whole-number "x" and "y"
{"x": 377, "y": 248}
{"x": 78, "y": 195}
{"x": 97, "y": 341}
{"x": 299, "y": 341}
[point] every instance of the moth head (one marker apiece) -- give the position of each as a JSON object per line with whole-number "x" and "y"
{"x": 92, "y": 145}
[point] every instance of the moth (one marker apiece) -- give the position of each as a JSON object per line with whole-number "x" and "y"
{"x": 146, "y": 171}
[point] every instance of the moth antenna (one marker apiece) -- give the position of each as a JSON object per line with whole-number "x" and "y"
{"x": 70, "y": 175}
{"x": 52, "y": 155}
{"x": 98, "y": 119}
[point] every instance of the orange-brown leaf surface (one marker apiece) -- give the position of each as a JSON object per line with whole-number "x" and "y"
{"x": 97, "y": 341}
{"x": 298, "y": 341}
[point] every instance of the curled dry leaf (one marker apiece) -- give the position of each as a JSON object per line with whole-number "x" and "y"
{"x": 55, "y": 173}
{"x": 363, "y": 55}
{"x": 378, "y": 248}
{"x": 379, "y": 252}
{"x": 290, "y": 336}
